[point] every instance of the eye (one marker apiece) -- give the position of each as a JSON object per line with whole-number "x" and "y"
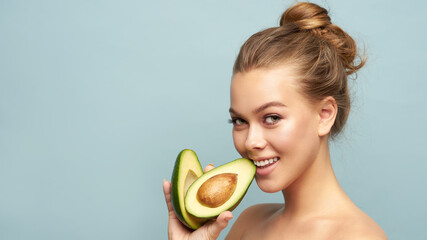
{"x": 272, "y": 119}
{"x": 237, "y": 121}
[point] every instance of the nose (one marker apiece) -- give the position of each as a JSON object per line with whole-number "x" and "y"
{"x": 255, "y": 139}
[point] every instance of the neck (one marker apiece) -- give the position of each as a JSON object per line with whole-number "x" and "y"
{"x": 317, "y": 191}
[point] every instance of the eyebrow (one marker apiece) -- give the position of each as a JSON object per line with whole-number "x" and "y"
{"x": 262, "y": 107}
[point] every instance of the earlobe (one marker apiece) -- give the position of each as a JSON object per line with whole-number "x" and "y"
{"x": 327, "y": 113}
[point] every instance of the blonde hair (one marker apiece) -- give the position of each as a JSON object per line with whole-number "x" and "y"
{"x": 323, "y": 54}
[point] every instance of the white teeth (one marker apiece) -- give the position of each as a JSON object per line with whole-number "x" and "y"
{"x": 265, "y": 162}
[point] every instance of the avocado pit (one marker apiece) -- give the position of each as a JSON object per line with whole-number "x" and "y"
{"x": 217, "y": 190}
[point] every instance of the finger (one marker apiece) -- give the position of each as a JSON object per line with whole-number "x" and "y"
{"x": 220, "y": 223}
{"x": 224, "y": 217}
{"x": 167, "y": 191}
{"x": 209, "y": 167}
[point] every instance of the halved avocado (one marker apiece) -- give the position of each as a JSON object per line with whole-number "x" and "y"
{"x": 186, "y": 170}
{"x": 220, "y": 189}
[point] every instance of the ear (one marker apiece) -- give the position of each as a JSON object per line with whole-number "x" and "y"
{"x": 327, "y": 113}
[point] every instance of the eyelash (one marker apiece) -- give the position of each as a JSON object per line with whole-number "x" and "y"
{"x": 233, "y": 120}
{"x": 277, "y": 118}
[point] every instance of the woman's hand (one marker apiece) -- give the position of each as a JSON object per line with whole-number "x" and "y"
{"x": 209, "y": 231}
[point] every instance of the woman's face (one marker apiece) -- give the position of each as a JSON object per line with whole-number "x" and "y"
{"x": 274, "y": 125}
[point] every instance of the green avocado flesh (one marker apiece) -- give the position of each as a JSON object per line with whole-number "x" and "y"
{"x": 220, "y": 189}
{"x": 186, "y": 170}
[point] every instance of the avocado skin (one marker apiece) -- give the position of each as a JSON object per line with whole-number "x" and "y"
{"x": 174, "y": 191}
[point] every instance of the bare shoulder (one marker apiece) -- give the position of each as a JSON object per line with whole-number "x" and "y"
{"x": 260, "y": 211}
{"x": 359, "y": 225}
{"x": 252, "y": 216}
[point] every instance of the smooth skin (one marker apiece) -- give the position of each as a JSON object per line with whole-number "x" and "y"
{"x": 273, "y": 118}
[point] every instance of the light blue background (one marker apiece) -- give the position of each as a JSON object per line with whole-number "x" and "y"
{"x": 98, "y": 97}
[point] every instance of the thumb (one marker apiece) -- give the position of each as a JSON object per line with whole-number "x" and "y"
{"x": 215, "y": 228}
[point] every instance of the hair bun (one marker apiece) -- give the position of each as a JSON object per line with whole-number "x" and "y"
{"x": 315, "y": 20}
{"x": 306, "y": 16}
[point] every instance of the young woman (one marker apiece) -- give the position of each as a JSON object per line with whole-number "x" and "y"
{"x": 289, "y": 96}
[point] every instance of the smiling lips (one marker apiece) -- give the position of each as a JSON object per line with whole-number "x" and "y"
{"x": 265, "y": 163}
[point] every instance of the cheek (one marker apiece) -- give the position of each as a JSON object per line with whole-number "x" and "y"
{"x": 239, "y": 141}
{"x": 306, "y": 139}
{"x": 294, "y": 136}
{"x": 284, "y": 137}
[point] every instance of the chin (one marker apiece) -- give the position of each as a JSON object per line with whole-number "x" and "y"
{"x": 268, "y": 186}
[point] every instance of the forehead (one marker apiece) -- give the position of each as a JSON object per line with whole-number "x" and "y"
{"x": 258, "y": 86}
